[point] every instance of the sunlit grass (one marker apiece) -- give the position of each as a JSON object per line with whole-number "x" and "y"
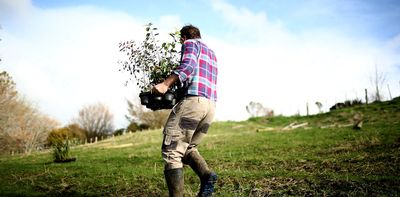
{"x": 253, "y": 158}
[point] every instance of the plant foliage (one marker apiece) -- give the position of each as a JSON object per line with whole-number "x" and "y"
{"x": 61, "y": 151}
{"x": 150, "y": 62}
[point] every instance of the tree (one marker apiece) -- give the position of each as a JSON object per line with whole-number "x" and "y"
{"x": 96, "y": 120}
{"x": 319, "y": 105}
{"x": 8, "y": 98}
{"x": 27, "y": 128}
{"x": 23, "y": 128}
{"x": 377, "y": 80}
{"x": 145, "y": 118}
{"x": 256, "y": 109}
{"x": 30, "y": 127}
{"x": 8, "y": 103}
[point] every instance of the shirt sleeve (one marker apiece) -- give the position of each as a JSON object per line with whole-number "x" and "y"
{"x": 189, "y": 61}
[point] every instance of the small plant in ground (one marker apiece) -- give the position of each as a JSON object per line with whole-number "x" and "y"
{"x": 61, "y": 152}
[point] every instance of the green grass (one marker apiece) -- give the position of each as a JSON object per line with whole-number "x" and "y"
{"x": 252, "y": 158}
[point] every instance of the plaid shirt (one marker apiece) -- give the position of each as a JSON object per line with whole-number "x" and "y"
{"x": 198, "y": 69}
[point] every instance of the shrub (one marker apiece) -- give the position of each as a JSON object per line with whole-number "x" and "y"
{"x": 356, "y": 102}
{"x": 119, "y": 132}
{"x": 133, "y": 127}
{"x": 70, "y": 132}
{"x": 58, "y": 135}
{"x": 347, "y": 103}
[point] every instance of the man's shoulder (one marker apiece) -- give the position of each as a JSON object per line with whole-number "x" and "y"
{"x": 198, "y": 43}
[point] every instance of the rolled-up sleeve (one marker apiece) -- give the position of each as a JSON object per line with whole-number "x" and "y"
{"x": 189, "y": 60}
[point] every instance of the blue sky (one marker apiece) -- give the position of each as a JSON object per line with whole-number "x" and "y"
{"x": 281, "y": 53}
{"x": 360, "y": 17}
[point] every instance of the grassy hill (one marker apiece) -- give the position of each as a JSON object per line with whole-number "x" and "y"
{"x": 325, "y": 156}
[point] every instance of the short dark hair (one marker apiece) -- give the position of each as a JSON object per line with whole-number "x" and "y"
{"x": 190, "y": 32}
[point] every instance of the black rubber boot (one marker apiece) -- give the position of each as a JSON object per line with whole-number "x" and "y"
{"x": 174, "y": 179}
{"x": 207, "y": 177}
{"x": 207, "y": 185}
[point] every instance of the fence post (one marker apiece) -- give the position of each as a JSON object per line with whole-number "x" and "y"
{"x": 307, "y": 109}
{"x": 366, "y": 96}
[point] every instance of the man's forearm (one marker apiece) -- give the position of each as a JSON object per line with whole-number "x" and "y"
{"x": 163, "y": 87}
{"x": 169, "y": 81}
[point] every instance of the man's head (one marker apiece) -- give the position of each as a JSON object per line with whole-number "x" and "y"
{"x": 189, "y": 32}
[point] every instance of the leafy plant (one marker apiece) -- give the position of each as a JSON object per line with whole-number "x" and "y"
{"x": 61, "y": 151}
{"x": 150, "y": 62}
{"x": 61, "y": 146}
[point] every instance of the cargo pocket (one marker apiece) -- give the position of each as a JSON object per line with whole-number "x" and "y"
{"x": 171, "y": 131}
{"x": 171, "y": 138}
{"x": 188, "y": 124}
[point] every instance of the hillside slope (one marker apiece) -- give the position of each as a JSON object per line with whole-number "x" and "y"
{"x": 324, "y": 155}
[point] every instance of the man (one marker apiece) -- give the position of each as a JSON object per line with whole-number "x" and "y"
{"x": 191, "y": 117}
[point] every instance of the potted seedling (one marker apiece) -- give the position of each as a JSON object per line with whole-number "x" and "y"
{"x": 149, "y": 62}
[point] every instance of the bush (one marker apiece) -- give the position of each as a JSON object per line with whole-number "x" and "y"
{"x": 133, "y": 127}
{"x": 119, "y": 132}
{"x": 356, "y": 102}
{"x": 58, "y": 135}
{"x": 70, "y": 132}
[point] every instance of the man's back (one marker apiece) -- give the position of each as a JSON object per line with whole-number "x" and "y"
{"x": 198, "y": 69}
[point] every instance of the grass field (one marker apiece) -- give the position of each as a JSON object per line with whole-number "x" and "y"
{"x": 258, "y": 157}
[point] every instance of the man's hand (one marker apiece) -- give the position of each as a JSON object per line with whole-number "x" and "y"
{"x": 163, "y": 87}
{"x": 160, "y": 88}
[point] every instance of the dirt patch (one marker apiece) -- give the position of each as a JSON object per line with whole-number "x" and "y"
{"x": 120, "y": 146}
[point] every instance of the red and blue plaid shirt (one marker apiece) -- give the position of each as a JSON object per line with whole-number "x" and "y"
{"x": 198, "y": 69}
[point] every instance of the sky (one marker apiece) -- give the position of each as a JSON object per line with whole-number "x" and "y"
{"x": 284, "y": 54}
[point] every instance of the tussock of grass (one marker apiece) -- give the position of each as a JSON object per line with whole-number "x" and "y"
{"x": 253, "y": 158}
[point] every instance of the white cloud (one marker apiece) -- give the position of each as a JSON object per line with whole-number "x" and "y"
{"x": 15, "y": 9}
{"x": 65, "y": 58}
{"x": 169, "y": 23}
{"x": 261, "y": 61}
{"x": 247, "y": 26}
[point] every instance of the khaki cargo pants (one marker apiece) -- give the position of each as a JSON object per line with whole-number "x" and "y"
{"x": 187, "y": 124}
